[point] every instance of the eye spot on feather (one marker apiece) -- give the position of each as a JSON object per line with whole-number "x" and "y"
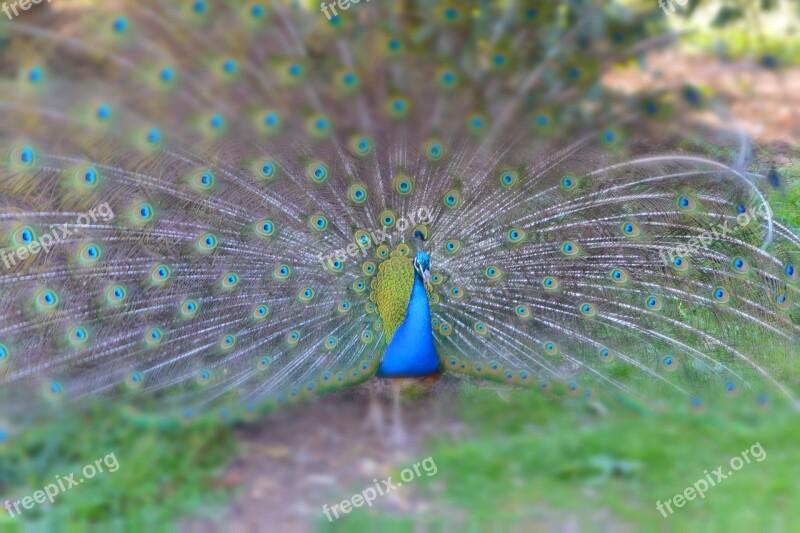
{"x": 721, "y": 295}
{"x": 387, "y": 218}
{"x": 90, "y": 177}
{"x": 142, "y": 213}
{"x": 160, "y": 274}
{"x": 681, "y": 264}
{"x": 78, "y": 336}
{"x": 775, "y": 179}
{"x": 447, "y": 78}
{"x": 670, "y": 363}
{"x": 227, "y": 342}
{"x": 515, "y": 236}
{"x": 740, "y": 265}
{"x": 509, "y": 179}
{"x": 46, "y": 300}
{"x": 452, "y": 198}
{"x": 134, "y": 380}
{"x": 398, "y": 108}
{"x": 23, "y": 236}
{"x": 631, "y": 229}
{"x": 317, "y": 172}
{"x": 361, "y": 146}
{"x": 588, "y": 310}
{"x": 731, "y": 389}
{"x": 476, "y": 124}
{"x": 229, "y": 281}
{"x": 382, "y": 252}
{"x": 270, "y": 122}
{"x": 36, "y": 74}
{"x": 120, "y": 25}
{"x": 550, "y": 348}
{"x": 357, "y": 193}
{"x": 153, "y": 337}
{"x": 366, "y": 336}
{"x": 318, "y": 222}
{"x": 263, "y": 362}
{"x": 550, "y": 283}
{"x": 54, "y": 390}
{"x": 115, "y": 295}
{"x": 570, "y": 249}
{"x": 282, "y": 272}
{"x": 153, "y": 137}
{"x": 610, "y": 137}
{"x": 206, "y": 243}
{"x": 203, "y": 377}
{"x": 434, "y": 150}
{"x": 257, "y": 11}
{"x": 26, "y": 156}
{"x": 686, "y": 203}
{"x": 293, "y": 337}
{"x": 654, "y": 303}
{"x": 89, "y": 254}
{"x": 791, "y": 272}
{"x": 260, "y": 312}
{"x": 306, "y": 294}
{"x": 457, "y": 293}
{"x": 542, "y": 120}
{"x": 265, "y": 228}
{"x": 319, "y": 127}
{"x": 480, "y": 328}
{"x": 781, "y": 300}
{"x": 619, "y": 275}
{"x": 335, "y": 266}
{"x": 403, "y": 185}
{"x": 568, "y": 183}
{"x": 522, "y": 311}
{"x": 103, "y": 112}
{"x": 452, "y": 246}
{"x": 493, "y": 272}
{"x": 605, "y": 355}
{"x": 189, "y": 308}
{"x": 451, "y": 13}
{"x": 359, "y": 286}
{"x": 368, "y": 268}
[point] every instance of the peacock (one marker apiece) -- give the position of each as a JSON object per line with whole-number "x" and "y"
{"x": 210, "y": 208}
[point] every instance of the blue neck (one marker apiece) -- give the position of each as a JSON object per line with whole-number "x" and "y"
{"x": 411, "y": 352}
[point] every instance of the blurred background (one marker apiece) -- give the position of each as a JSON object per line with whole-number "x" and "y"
{"x": 504, "y": 458}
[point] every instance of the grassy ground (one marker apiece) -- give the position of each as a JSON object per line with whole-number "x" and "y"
{"x": 161, "y": 476}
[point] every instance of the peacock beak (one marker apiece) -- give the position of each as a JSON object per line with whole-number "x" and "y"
{"x": 426, "y": 277}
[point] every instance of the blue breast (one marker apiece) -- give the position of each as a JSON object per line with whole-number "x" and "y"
{"x": 411, "y": 352}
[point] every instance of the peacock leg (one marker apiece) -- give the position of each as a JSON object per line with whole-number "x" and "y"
{"x": 398, "y": 436}
{"x": 375, "y": 418}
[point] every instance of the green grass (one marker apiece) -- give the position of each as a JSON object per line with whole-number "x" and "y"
{"x": 568, "y": 459}
{"x": 162, "y": 474}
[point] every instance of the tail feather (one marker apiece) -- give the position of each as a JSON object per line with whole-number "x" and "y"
{"x": 215, "y": 185}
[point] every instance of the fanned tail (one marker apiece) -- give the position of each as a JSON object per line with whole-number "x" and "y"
{"x": 195, "y": 197}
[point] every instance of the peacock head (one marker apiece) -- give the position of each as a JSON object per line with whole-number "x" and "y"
{"x": 422, "y": 261}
